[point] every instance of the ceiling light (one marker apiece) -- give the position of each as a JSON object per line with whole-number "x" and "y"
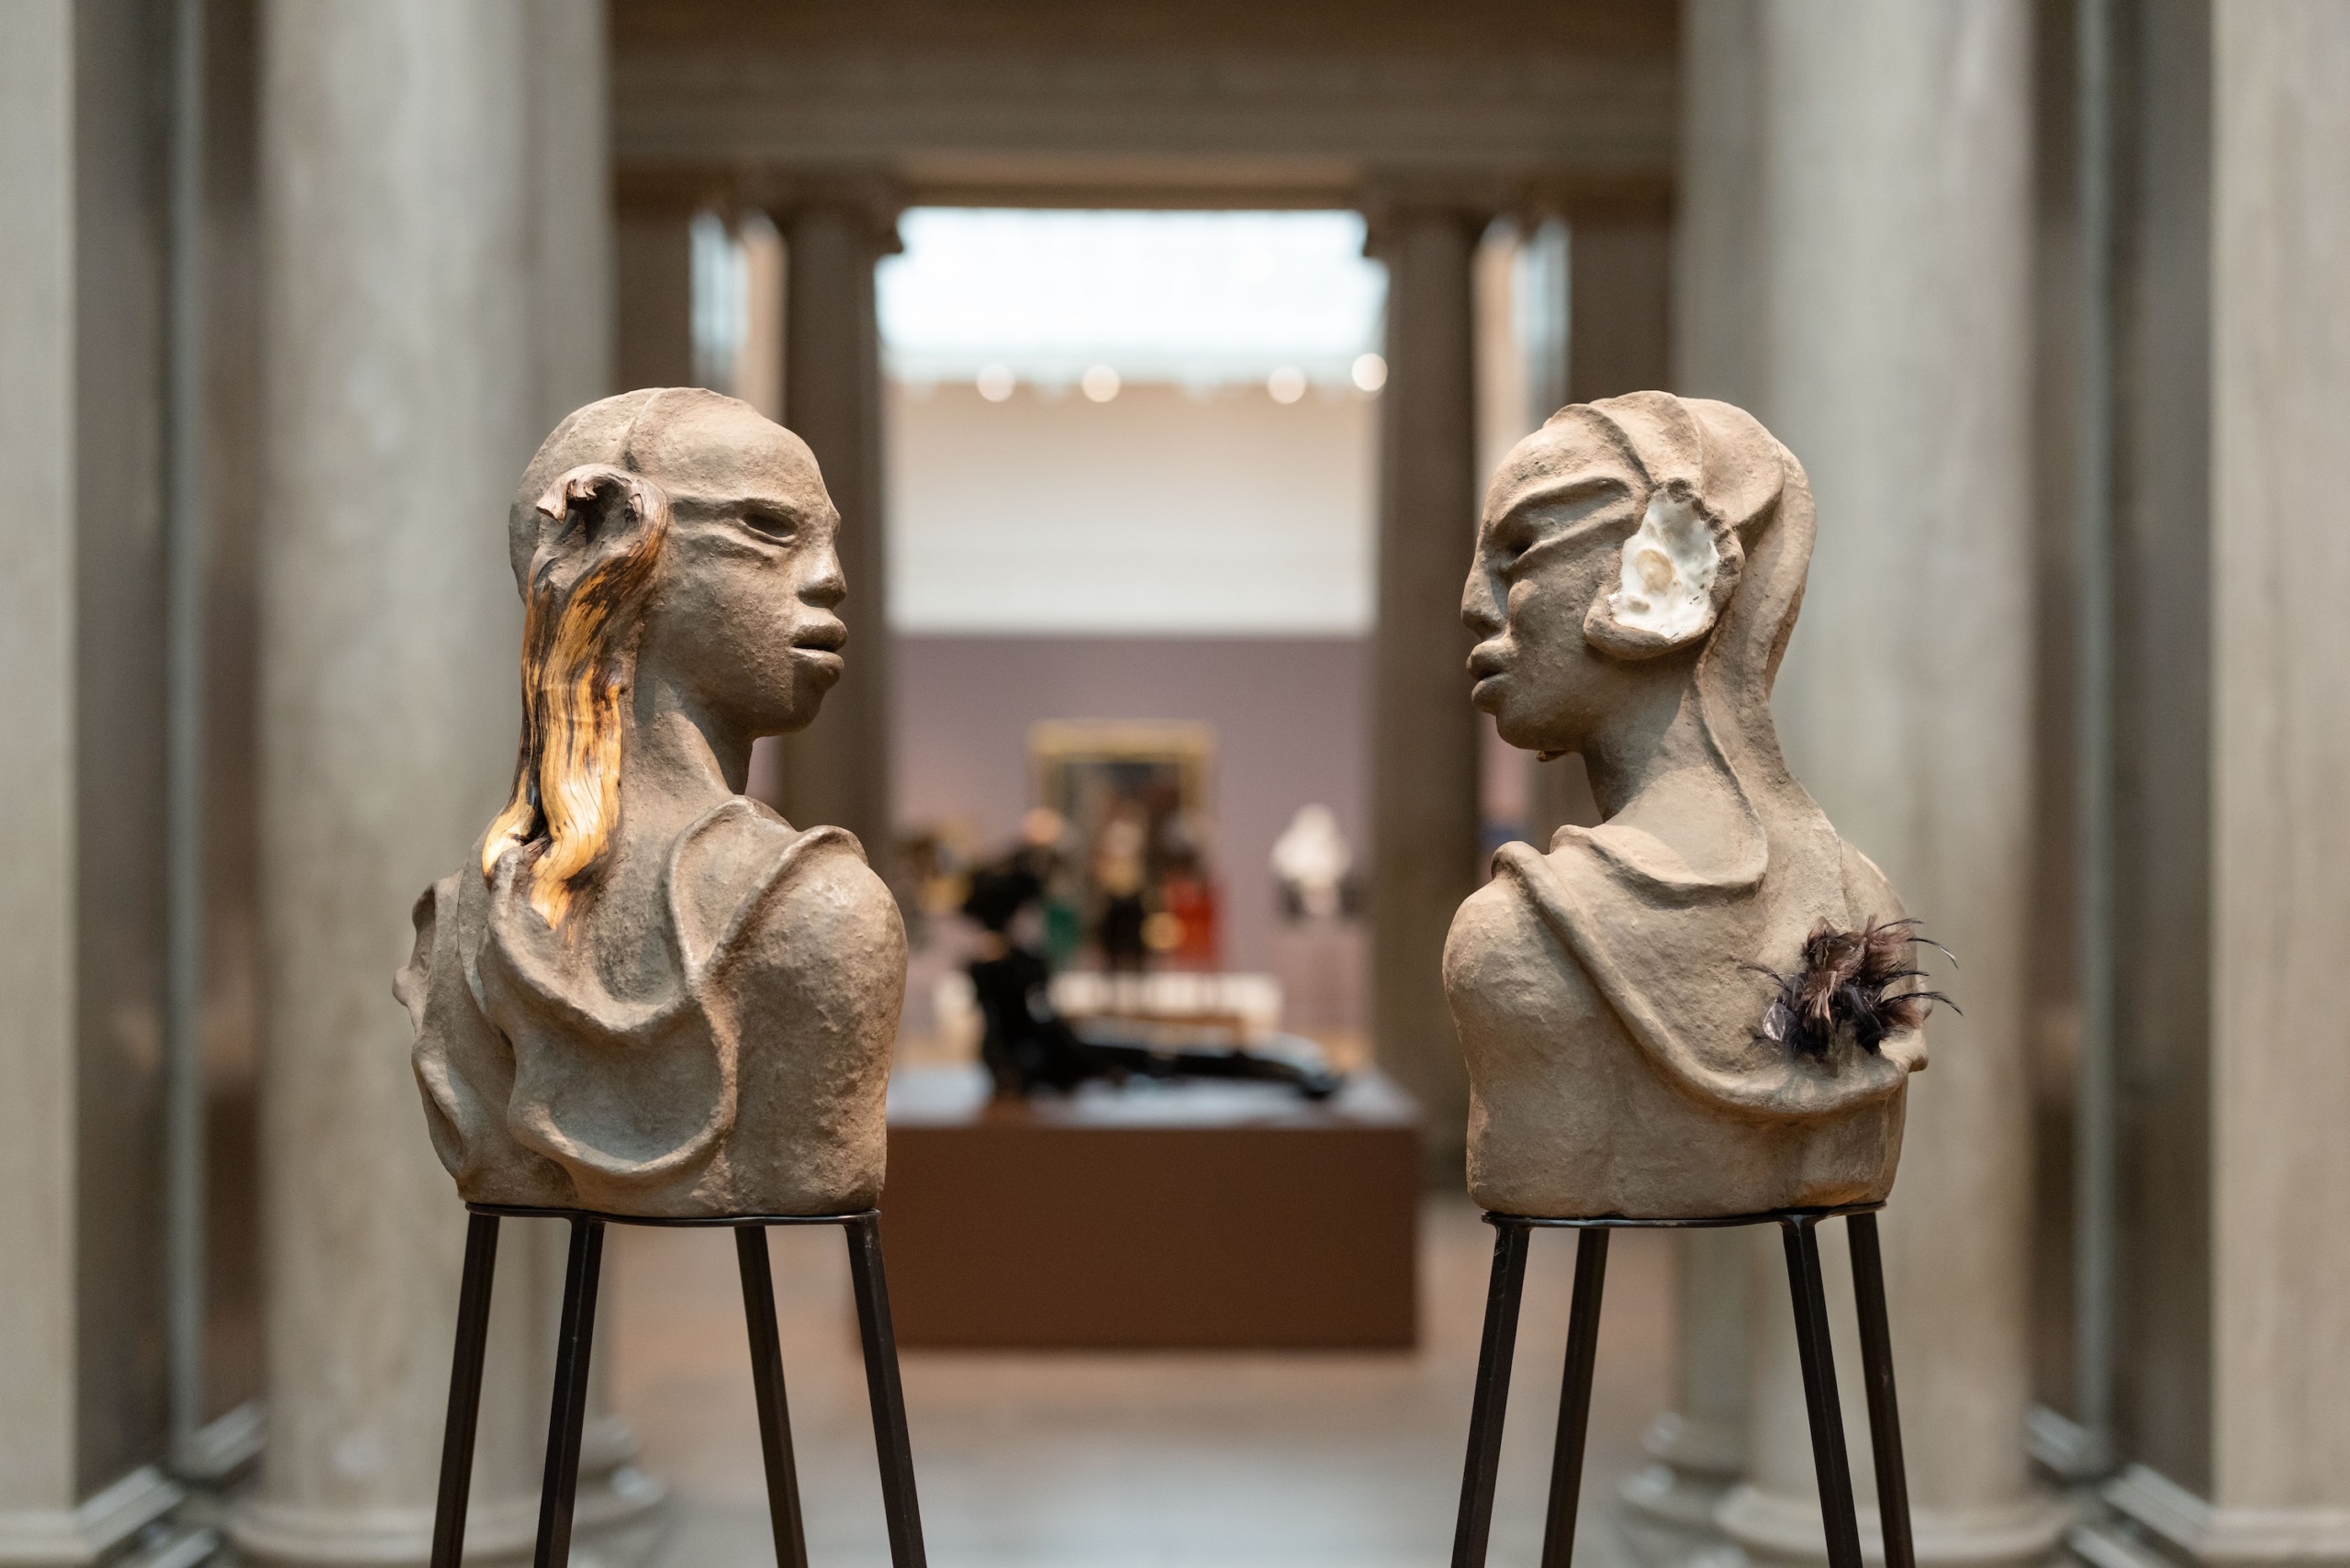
{"x": 1100, "y": 383}
{"x": 1369, "y": 372}
{"x": 1287, "y": 384}
{"x": 995, "y": 382}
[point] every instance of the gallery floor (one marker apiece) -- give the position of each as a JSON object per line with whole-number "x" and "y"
{"x": 1125, "y": 1461}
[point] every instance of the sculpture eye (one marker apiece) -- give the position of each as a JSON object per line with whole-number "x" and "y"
{"x": 1512, "y": 541}
{"x": 782, "y": 527}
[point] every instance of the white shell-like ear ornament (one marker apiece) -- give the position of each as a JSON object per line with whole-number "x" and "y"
{"x": 1669, "y": 570}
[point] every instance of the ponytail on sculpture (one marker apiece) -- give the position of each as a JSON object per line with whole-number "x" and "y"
{"x": 601, "y": 536}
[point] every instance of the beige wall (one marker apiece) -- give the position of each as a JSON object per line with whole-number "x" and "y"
{"x": 1158, "y": 512}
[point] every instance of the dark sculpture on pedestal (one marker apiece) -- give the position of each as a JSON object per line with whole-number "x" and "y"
{"x": 644, "y": 993}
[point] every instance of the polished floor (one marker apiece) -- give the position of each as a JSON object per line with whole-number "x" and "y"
{"x": 1178, "y": 1460}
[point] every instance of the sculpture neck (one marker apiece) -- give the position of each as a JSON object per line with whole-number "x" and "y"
{"x": 679, "y": 760}
{"x": 1656, "y": 767}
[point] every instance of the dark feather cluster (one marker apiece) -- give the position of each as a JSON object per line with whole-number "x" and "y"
{"x": 1856, "y": 979}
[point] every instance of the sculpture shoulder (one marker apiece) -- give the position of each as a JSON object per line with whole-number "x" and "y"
{"x": 743, "y": 880}
{"x": 1868, "y": 893}
{"x": 1503, "y": 955}
{"x": 442, "y": 921}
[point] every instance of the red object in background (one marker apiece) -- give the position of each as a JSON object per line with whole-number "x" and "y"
{"x": 1193, "y": 902}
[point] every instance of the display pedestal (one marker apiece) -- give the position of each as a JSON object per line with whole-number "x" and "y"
{"x": 1185, "y": 1214}
{"x": 1799, "y": 1228}
{"x": 576, "y": 1340}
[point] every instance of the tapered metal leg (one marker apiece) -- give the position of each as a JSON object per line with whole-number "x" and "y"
{"x": 575, "y": 1341}
{"x": 464, "y": 1390}
{"x": 1828, "y": 1459}
{"x": 775, "y": 1411}
{"x": 1574, "y": 1398}
{"x": 1876, "y": 1375}
{"x": 890, "y": 1440}
{"x": 1491, "y": 1405}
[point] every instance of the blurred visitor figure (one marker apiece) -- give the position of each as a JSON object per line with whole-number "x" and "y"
{"x": 1313, "y": 863}
{"x": 1318, "y": 948}
{"x": 1181, "y": 932}
{"x": 1121, "y": 877}
{"x": 1028, "y": 1046}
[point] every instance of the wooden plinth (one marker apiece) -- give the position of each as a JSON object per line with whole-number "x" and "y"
{"x": 1189, "y": 1215}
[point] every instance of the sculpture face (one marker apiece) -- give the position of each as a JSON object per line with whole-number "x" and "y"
{"x": 1552, "y": 547}
{"x": 742, "y": 620}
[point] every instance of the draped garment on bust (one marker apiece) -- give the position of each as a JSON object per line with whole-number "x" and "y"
{"x": 739, "y": 1066}
{"x": 1613, "y": 1033}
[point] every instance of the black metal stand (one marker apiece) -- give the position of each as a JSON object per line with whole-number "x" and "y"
{"x": 1799, "y": 1230}
{"x": 561, "y": 1486}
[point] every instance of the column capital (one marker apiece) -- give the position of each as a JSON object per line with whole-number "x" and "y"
{"x": 870, "y": 199}
{"x": 1394, "y": 201}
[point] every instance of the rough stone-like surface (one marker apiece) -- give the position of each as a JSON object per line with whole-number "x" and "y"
{"x": 644, "y": 993}
{"x": 1613, "y": 996}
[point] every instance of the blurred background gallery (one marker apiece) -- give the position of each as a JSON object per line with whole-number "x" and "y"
{"x": 1156, "y": 355}
{"x": 1130, "y": 477}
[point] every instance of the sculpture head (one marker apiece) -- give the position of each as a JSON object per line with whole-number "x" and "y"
{"x": 672, "y": 541}
{"x": 1630, "y": 548}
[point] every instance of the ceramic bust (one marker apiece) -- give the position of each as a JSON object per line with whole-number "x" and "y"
{"x": 644, "y": 993}
{"x": 1705, "y": 1005}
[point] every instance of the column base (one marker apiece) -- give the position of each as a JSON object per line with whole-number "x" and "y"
{"x": 1766, "y": 1529}
{"x": 73, "y": 1538}
{"x": 622, "y": 1512}
{"x": 619, "y": 1519}
{"x": 1666, "y": 1512}
{"x": 2158, "y": 1521}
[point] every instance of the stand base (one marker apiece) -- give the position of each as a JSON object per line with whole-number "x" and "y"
{"x": 559, "y": 1490}
{"x": 1799, "y": 1230}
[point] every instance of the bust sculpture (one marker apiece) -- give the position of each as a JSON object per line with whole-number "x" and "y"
{"x": 644, "y": 993}
{"x": 1706, "y": 1005}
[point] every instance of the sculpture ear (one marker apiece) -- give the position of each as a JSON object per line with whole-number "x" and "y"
{"x": 590, "y": 515}
{"x": 1677, "y": 572}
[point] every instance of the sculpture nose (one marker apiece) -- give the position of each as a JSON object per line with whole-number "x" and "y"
{"x": 826, "y": 586}
{"x": 1481, "y": 608}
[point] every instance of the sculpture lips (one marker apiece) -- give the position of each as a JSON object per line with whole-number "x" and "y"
{"x": 1484, "y": 669}
{"x": 820, "y": 645}
{"x": 826, "y": 636}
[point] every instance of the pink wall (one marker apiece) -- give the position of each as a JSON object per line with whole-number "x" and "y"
{"x": 1288, "y": 714}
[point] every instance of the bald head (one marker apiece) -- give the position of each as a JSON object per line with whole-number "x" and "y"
{"x": 703, "y": 450}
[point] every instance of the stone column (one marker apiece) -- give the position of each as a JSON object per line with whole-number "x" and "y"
{"x": 1424, "y": 828}
{"x": 426, "y": 249}
{"x": 837, "y": 770}
{"x": 1892, "y": 252}
{"x": 41, "y": 1489}
{"x": 1668, "y": 1509}
{"x": 86, "y": 1422}
{"x": 2278, "y": 1488}
{"x": 653, "y": 295}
